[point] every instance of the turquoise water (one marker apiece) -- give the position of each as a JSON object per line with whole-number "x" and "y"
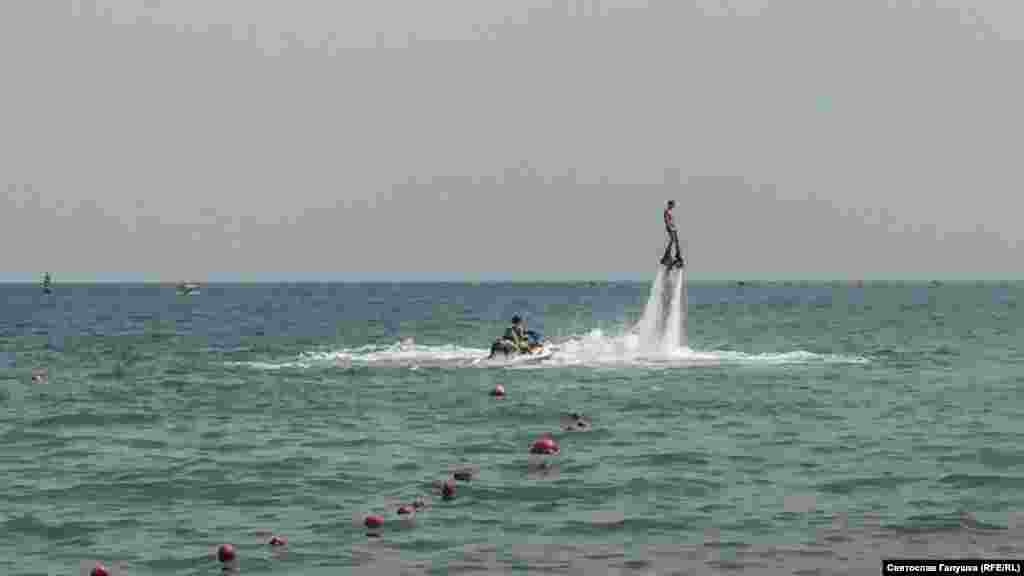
{"x": 810, "y": 426}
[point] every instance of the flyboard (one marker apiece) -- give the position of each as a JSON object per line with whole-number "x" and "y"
{"x": 670, "y": 263}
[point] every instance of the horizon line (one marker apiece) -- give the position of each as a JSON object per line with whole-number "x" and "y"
{"x": 384, "y": 280}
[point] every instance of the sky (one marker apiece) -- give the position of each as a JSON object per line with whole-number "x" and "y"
{"x": 240, "y": 140}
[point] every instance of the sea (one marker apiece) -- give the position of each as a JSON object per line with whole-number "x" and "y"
{"x": 734, "y": 427}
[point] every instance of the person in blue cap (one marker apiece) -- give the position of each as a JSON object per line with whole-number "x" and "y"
{"x": 515, "y": 339}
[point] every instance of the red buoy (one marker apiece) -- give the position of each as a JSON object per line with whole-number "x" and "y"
{"x": 545, "y": 445}
{"x": 405, "y": 510}
{"x": 99, "y": 570}
{"x": 373, "y": 521}
{"x": 499, "y": 391}
{"x": 277, "y": 541}
{"x": 226, "y": 553}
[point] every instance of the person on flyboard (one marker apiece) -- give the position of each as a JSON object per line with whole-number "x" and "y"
{"x": 673, "y": 238}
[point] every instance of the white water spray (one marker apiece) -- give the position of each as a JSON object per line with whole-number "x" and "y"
{"x": 662, "y": 328}
{"x": 658, "y": 339}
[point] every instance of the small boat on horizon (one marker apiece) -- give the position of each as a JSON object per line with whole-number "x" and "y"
{"x": 188, "y": 288}
{"x": 47, "y": 284}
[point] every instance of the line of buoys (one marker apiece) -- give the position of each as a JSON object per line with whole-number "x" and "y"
{"x": 545, "y": 445}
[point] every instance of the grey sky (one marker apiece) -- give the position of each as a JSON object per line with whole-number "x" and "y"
{"x": 245, "y": 139}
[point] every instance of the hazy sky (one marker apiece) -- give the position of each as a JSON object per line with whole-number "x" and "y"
{"x": 379, "y": 139}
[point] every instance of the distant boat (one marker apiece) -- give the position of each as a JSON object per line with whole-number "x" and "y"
{"x": 47, "y": 284}
{"x": 188, "y": 288}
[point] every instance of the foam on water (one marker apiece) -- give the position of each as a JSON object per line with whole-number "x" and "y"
{"x": 398, "y": 354}
{"x": 629, "y": 349}
{"x": 658, "y": 339}
{"x": 594, "y": 349}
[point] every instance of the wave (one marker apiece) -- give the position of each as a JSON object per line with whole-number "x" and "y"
{"x": 399, "y": 354}
{"x": 593, "y": 349}
{"x": 596, "y": 349}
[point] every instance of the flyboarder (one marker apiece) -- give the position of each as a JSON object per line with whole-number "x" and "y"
{"x": 673, "y": 238}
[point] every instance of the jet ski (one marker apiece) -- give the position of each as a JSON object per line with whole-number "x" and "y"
{"x": 505, "y": 350}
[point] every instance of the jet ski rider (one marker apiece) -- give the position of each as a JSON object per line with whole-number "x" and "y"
{"x": 515, "y": 339}
{"x": 516, "y": 334}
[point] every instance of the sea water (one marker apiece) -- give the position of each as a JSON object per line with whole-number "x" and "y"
{"x": 760, "y": 428}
